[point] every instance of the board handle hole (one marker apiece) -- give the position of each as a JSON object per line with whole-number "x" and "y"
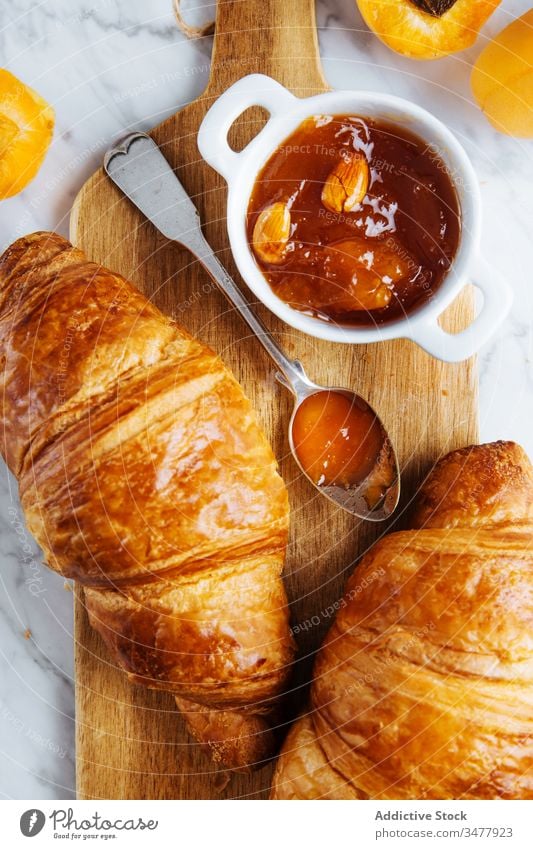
{"x": 455, "y": 319}
{"x": 247, "y": 126}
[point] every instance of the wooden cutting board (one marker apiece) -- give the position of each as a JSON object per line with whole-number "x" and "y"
{"x": 131, "y": 743}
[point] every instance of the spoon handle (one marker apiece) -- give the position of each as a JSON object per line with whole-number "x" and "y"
{"x": 137, "y": 166}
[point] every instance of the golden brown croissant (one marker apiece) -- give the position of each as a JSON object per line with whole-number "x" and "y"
{"x": 145, "y": 476}
{"x": 424, "y": 686}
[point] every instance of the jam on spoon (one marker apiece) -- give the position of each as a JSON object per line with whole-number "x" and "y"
{"x": 340, "y": 442}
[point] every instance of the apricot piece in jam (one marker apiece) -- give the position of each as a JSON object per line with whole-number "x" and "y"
{"x": 347, "y": 276}
{"x": 337, "y": 438}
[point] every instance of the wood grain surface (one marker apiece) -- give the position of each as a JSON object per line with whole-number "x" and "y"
{"x": 131, "y": 743}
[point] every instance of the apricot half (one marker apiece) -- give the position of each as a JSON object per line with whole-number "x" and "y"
{"x": 426, "y": 29}
{"x": 502, "y": 79}
{"x": 26, "y": 128}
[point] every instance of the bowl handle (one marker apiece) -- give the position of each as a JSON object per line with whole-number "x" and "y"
{"x": 253, "y": 90}
{"x": 454, "y": 347}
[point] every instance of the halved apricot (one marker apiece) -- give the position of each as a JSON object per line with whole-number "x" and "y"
{"x": 26, "y": 128}
{"x": 426, "y": 29}
{"x": 502, "y": 79}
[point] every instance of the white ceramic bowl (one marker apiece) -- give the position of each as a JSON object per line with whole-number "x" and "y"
{"x": 286, "y": 113}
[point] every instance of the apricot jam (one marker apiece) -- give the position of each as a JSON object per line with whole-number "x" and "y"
{"x": 353, "y": 220}
{"x": 337, "y": 438}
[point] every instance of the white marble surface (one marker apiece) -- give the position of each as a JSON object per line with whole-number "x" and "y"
{"x": 109, "y": 65}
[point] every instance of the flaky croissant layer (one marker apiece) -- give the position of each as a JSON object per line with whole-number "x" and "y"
{"x": 144, "y": 475}
{"x": 423, "y": 688}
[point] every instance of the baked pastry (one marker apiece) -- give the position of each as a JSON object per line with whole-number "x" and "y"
{"x": 144, "y": 475}
{"x": 423, "y": 688}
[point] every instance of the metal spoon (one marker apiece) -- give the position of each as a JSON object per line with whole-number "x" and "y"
{"x": 140, "y": 170}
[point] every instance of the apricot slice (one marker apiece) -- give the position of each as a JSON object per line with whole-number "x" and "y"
{"x": 350, "y": 275}
{"x": 26, "y": 128}
{"x": 386, "y": 257}
{"x": 502, "y": 79}
{"x": 426, "y": 29}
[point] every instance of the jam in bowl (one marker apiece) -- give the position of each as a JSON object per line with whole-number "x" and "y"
{"x": 353, "y": 220}
{"x": 369, "y": 234}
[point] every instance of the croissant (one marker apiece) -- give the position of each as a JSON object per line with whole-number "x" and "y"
{"x": 144, "y": 475}
{"x": 423, "y": 688}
